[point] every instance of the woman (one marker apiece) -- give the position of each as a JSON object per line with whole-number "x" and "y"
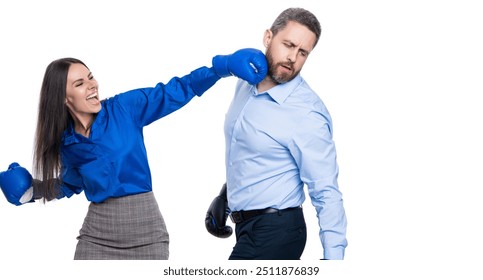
{"x": 84, "y": 144}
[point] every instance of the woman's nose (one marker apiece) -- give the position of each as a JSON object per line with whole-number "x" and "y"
{"x": 92, "y": 84}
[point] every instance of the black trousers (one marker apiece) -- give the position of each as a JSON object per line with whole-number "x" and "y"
{"x": 273, "y": 236}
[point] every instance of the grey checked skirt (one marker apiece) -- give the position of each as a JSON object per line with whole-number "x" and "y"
{"x": 124, "y": 228}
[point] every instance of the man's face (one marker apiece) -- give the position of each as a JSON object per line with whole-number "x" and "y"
{"x": 287, "y": 51}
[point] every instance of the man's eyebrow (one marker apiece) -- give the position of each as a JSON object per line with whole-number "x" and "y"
{"x": 292, "y": 44}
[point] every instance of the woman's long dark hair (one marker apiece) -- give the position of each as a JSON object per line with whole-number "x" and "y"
{"x": 53, "y": 119}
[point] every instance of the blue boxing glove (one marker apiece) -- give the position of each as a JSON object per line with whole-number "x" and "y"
{"x": 16, "y": 184}
{"x": 247, "y": 64}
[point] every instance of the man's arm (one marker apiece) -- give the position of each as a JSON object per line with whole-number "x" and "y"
{"x": 315, "y": 154}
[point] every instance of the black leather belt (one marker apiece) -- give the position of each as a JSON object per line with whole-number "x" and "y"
{"x": 240, "y": 216}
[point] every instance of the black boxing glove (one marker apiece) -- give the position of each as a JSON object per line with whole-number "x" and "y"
{"x": 217, "y": 215}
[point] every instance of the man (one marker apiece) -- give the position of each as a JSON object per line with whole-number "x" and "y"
{"x": 278, "y": 138}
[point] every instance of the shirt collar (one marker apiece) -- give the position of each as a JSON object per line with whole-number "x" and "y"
{"x": 70, "y": 137}
{"x": 280, "y": 92}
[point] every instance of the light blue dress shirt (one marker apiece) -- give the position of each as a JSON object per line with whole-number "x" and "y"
{"x": 113, "y": 161}
{"x": 277, "y": 141}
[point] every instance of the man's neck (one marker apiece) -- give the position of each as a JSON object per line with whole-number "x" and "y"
{"x": 266, "y": 84}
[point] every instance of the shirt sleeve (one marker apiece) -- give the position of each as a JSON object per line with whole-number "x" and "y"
{"x": 314, "y": 151}
{"x": 150, "y": 104}
{"x": 65, "y": 188}
{"x": 70, "y": 184}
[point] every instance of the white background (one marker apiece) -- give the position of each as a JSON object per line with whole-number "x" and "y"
{"x": 403, "y": 83}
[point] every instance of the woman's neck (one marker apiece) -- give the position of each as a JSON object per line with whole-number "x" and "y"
{"x": 82, "y": 124}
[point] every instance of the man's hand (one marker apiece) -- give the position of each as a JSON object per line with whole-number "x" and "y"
{"x": 217, "y": 215}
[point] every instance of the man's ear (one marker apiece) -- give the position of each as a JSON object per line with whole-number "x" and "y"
{"x": 267, "y": 37}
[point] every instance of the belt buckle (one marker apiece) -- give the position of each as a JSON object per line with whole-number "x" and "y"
{"x": 236, "y": 217}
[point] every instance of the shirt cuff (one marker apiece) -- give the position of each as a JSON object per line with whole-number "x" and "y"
{"x": 202, "y": 79}
{"x": 334, "y": 254}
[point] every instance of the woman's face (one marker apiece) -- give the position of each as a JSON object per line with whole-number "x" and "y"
{"x": 82, "y": 97}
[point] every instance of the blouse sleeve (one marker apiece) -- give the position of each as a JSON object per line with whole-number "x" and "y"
{"x": 150, "y": 104}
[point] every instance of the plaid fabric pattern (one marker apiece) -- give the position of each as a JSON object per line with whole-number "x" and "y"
{"x": 124, "y": 228}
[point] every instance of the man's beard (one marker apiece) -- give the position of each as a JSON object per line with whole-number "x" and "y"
{"x": 273, "y": 66}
